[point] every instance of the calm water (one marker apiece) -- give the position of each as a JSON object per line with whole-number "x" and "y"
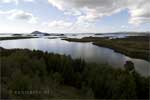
{"x": 86, "y": 51}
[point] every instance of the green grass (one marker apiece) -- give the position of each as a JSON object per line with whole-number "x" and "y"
{"x": 133, "y": 46}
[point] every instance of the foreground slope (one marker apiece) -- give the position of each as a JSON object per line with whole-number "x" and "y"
{"x": 62, "y": 77}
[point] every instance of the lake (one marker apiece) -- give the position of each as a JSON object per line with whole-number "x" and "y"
{"x": 86, "y": 51}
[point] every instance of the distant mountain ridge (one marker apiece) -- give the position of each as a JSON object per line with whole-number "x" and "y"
{"x": 45, "y": 34}
{"x": 39, "y": 33}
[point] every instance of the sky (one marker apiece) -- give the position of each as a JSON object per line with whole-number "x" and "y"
{"x": 74, "y": 16}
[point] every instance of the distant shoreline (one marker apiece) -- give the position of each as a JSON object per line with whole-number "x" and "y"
{"x": 98, "y": 33}
{"x": 133, "y": 46}
{"x": 14, "y": 38}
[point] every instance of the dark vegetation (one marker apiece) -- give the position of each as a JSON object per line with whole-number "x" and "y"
{"x": 62, "y": 37}
{"x": 36, "y": 33}
{"x": 17, "y": 34}
{"x": 16, "y": 37}
{"x": 130, "y": 33}
{"x": 133, "y": 46}
{"x": 22, "y": 70}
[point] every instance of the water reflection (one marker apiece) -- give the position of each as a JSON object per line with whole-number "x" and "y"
{"x": 86, "y": 51}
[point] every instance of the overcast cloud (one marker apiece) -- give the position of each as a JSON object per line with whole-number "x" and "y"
{"x": 92, "y": 10}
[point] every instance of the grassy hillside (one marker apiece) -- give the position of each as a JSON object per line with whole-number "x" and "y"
{"x": 36, "y": 74}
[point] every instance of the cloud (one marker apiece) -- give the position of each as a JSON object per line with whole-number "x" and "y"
{"x": 15, "y": 1}
{"x": 124, "y": 26}
{"x": 59, "y": 24}
{"x": 93, "y": 10}
{"x": 9, "y": 1}
{"x": 73, "y": 12}
{"x": 90, "y": 10}
{"x": 21, "y": 15}
{"x": 7, "y": 12}
{"x": 140, "y": 12}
